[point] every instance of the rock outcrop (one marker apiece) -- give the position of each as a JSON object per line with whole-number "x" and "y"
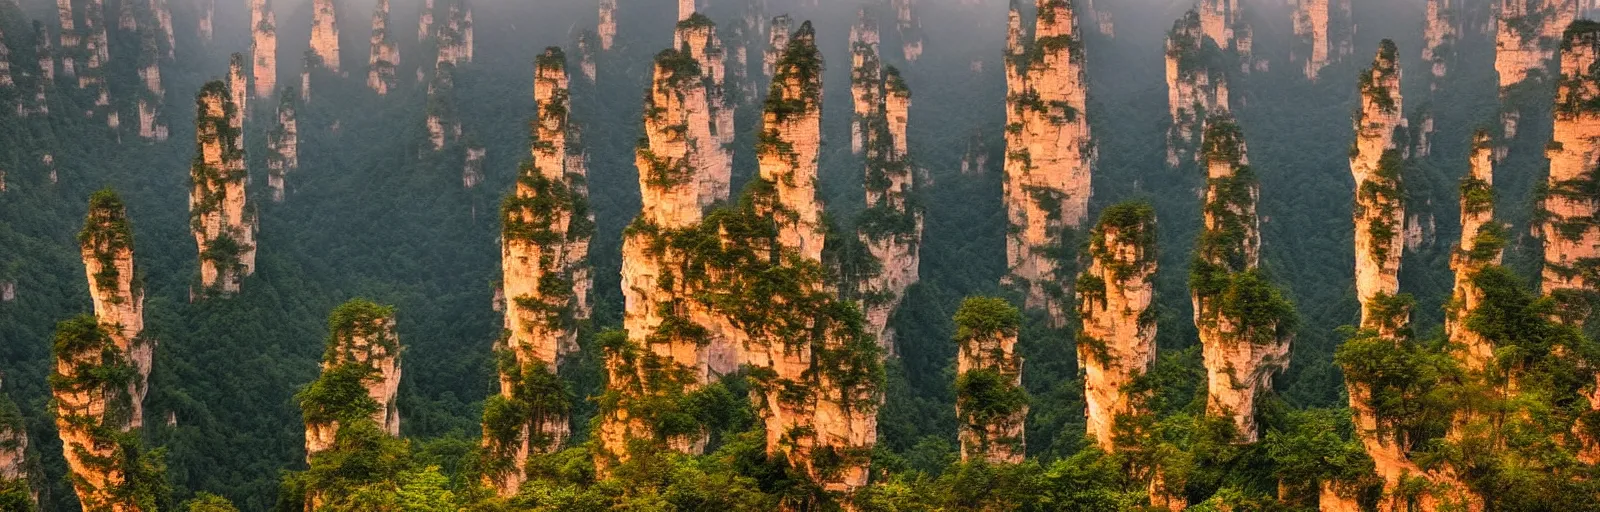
{"x": 425, "y": 21}
{"x": 1245, "y": 325}
{"x": 1196, "y": 88}
{"x": 1102, "y": 18}
{"x": 1222, "y": 21}
{"x": 163, "y": 19}
{"x": 1326, "y": 34}
{"x": 1115, "y": 298}
{"x": 14, "y": 464}
{"x": 96, "y": 47}
{"x": 239, "y": 92}
{"x": 106, "y": 244}
{"x": 586, "y": 55}
{"x": 455, "y": 37}
{"x": 70, "y": 38}
{"x": 363, "y": 357}
{"x": 264, "y": 47}
{"x": 5, "y": 65}
{"x": 891, "y": 226}
{"x": 1481, "y": 246}
{"x": 608, "y": 24}
{"x": 442, "y": 122}
{"x": 325, "y": 33}
{"x": 545, "y": 236}
{"x": 910, "y": 29}
{"x": 989, "y": 379}
{"x": 866, "y": 78}
{"x": 1527, "y": 38}
{"x": 283, "y": 145}
{"x": 1571, "y": 233}
{"x": 223, "y": 222}
{"x": 90, "y": 389}
{"x": 1049, "y": 152}
{"x": 710, "y": 122}
{"x": 778, "y": 41}
{"x": 1375, "y": 163}
{"x": 385, "y": 53}
{"x": 1440, "y": 32}
{"x": 152, "y": 99}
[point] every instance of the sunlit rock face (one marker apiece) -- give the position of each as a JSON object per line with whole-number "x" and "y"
{"x": 779, "y": 40}
{"x": 1239, "y": 315}
{"x": 1528, "y": 35}
{"x": 1115, "y": 294}
{"x": 654, "y": 286}
{"x": 455, "y": 37}
{"x": 385, "y": 53}
{"x": 891, "y": 228}
{"x": 1195, "y": 88}
{"x": 986, "y": 338}
{"x": 1326, "y": 34}
{"x": 1571, "y": 236}
{"x": 106, "y": 244}
{"x": 608, "y": 23}
{"x": 791, "y": 136}
{"x": 910, "y": 29}
{"x": 1375, "y": 164}
{"x": 283, "y": 146}
{"x": 223, "y": 223}
{"x": 866, "y": 82}
{"x": 362, "y": 335}
{"x": 264, "y": 47}
{"x": 89, "y": 409}
{"x": 1049, "y": 152}
{"x": 325, "y": 33}
{"x": 1440, "y": 32}
{"x": 710, "y": 123}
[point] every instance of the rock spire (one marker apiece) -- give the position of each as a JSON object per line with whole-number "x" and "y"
{"x": 90, "y": 384}
{"x": 360, "y": 375}
{"x": 990, "y": 404}
{"x": 385, "y": 53}
{"x": 325, "y": 33}
{"x": 1326, "y": 34}
{"x": 891, "y": 227}
{"x": 223, "y": 222}
{"x": 1050, "y": 154}
{"x": 710, "y": 121}
{"x": 1115, "y": 298}
{"x": 283, "y": 145}
{"x": 1245, "y": 324}
{"x": 106, "y": 243}
{"x": 264, "y": 47}
{"x": 1196, "y": 87}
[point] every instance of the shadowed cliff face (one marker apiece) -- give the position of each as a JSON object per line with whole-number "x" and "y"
{"x": 264, "y": 47}
{"x": 385, "y": 53}
{"x": 1115, "y": 295}
{"x": 1049, "y": 152}
{"x": 710, "y": 116}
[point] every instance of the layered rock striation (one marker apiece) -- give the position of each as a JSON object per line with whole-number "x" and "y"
{"x": 1222, "y": 21}
{"x": 264, "y": 47}
{"x": 991, "y": 406}
{"x": 1049, "y": 152}
{"x": 1480, "y": 246}
{"x": 545, "y": 236}
{"x": 1115, "y": 298}
{"x": 1570, "y": 231}
{"x": 223, "y": 222}
{"x": 106, "y": 243}
{"x": 866, "y": 78}
{"x": 1196, "y": 87}
{"x": 385, "y": 53}
{"x": 90, "y": 384}
{"x": 710, "y": 121}
{"x": 1375, "y": 163}
{"x": 152, "y": 98}
{"x": 1245, "y": 324}
{"x": 910, "y": 28}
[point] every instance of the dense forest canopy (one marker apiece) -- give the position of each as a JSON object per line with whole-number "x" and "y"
{"x": 798, "y": 255}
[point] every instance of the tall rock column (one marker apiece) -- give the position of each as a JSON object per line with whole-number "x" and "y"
{"x": 283, "y": 145}
{"x": 90, "y": 389}
{"x": 778, "y": 41}
{"x": 866, "y": 82}
{"x": 1115, "y": 295}
{"x": 791, "y": 136}
{"x": 325, "y": 33}
{"x": 1222, "y": 21}
{"x": 1480, "y": 246}
{"x": 223, "y": 223}
{"x": 152, "y": 99}
{"x": 1528, "y": 35}
{"x": 385, "y": 53}
{"x": 608, "y": 24}
{"x": 910, "y": 29}
{"x": 1326, "y": 34}
{"x": 5, "y": 66}
{"x": 455, "y": 37}
{"x": 1196, "y": 88}
{"x": 264, "y": 47}
{"x": 239, "y": 91}
{"x": 107, "y": 247}
{"x": 360, "y": 381}
{"x": 990, "y": 402}
{"x": 70, "y": 38}
{"x": 1571, "y": 233}
{"x": 711, "y": 122}
{"x": 545, "y": 242}
{"x": 891, "y": 226}
{"x": 1049, "y": 152}
{"x": 664, "y": 325}
{"x": 1245, "y": 325}
{"x": 1440, "y": 32}
{"x": 1375, "y": 163}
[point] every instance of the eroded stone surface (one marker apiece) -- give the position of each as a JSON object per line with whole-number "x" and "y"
{"x": 222, "y": 221}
